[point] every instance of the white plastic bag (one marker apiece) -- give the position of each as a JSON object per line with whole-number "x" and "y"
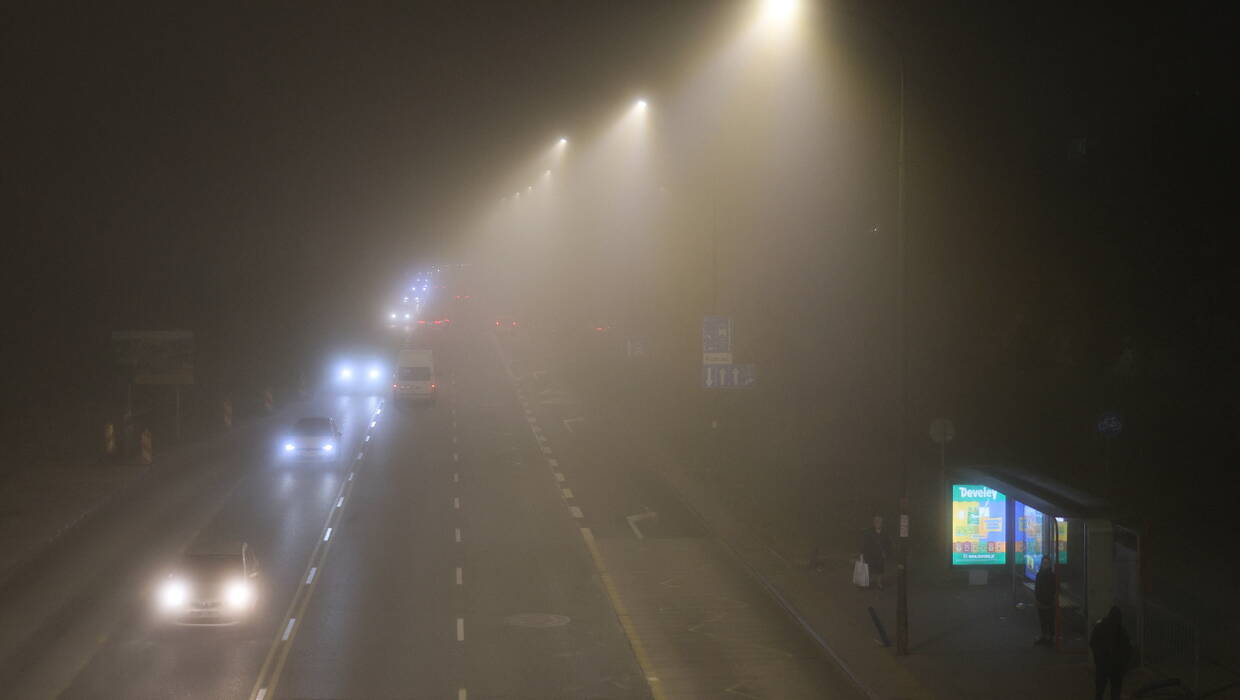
{"x": 861, "y": 573}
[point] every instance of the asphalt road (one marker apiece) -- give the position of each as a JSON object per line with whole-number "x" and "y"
{"x": 480, "y": 547}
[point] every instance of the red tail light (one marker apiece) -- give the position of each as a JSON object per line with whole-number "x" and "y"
{"x": 433, "y": 387}
{"x": 514, "y": 324}
{"x": 497, "y": 323}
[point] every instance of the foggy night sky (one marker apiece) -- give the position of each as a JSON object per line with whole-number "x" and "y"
{"x": 260, "y": 172}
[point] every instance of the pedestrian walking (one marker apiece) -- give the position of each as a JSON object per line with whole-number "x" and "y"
{"x": 876, "y": 547}
{"x": 1112, "y": 652}
{"x": 1044, "y": 594}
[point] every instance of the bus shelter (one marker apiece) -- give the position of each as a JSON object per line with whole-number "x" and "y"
{"x": 1004, "y": 520}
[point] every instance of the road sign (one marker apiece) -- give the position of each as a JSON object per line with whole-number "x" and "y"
{"x": 1109, "y": 424}
{"x": 942, "y": 431}
{"x": 728, "y": 376}
{"x": 155, "y": 357}
{"x": 716, "y": 340}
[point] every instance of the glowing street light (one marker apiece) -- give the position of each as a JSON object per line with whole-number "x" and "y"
{"x": 640, "y": 105}
{"x": 779, "y": 11}
{"x": 562, "y": 142}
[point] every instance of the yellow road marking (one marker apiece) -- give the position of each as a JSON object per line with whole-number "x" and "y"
{"x": 622, "y": 613}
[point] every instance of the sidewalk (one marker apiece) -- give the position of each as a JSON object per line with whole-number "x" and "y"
{"x": 965, "y": 641}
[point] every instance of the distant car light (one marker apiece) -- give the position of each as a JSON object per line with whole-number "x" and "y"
{"x": 373, "y": 373}
{"x": 173, "y": 594}
{"x": 328, "y": 447}
{"x": 346, "y": 373}
{"x": 288, "y": 447}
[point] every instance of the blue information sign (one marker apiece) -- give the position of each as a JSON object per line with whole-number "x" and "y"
{"x": 716, "y": 334}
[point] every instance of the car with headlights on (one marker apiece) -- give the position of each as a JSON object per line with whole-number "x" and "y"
{"x": 213, "y": 583}
{"x": 314, "y": 439}
{"x": 360, "y": 376}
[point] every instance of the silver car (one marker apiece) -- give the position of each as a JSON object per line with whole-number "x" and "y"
{"x": 212, "y": 584}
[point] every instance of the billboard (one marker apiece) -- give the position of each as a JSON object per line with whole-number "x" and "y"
{"x": 979, "y": 533}
{"x": 1033, "y": 538}
{"x": 155, "y": 357}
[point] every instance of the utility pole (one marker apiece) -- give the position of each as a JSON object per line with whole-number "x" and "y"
{"x": 901, "y": 433}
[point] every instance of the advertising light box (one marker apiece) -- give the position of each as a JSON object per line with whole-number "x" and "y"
{"x": 1032, "y": 538}
{"x": 979, "y": 535}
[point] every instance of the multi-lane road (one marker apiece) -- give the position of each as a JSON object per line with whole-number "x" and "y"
{"x": 492, "y": 545}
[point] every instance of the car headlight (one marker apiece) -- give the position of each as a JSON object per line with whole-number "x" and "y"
{"x": 346, "y": 373}
{"x": 288, "y": 447}
{"x": 328, "y": 447}
{"x": 173, "y": 594}
{"x": 238, "y": 594}
{"x": 373, "y": 373}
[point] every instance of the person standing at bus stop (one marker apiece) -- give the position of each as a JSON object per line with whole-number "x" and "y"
{"x": 876, "y": 547}
{"x": 1112, "y": 652}
{"x": 1044, "y": 595}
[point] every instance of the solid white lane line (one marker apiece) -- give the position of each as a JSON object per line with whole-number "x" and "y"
{"x": 559, "y": 477}
{"x": 568, "y": 493}
{"x": 310, "y": 578}
{"x": 458, "y": 534}
{"x": 262, "y": 693}
{"x": 576, "y": 512}
{"x": 456, "y": 503}
{"x": 288, "y": 629}
{"x": 340, "y": 501}
{"x": 327, "y": 535}
{"x": 459, "y": 575}
{"x": 460, "y": 629}
{"x": 554, "y": 462}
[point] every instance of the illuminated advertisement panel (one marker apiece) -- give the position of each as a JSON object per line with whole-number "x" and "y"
{"x": 978, "y": 532}
{"x": 1030, "y": 536}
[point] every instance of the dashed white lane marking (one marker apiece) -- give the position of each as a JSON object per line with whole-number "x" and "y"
{"x": 288, "y": 629}
{"x": 340, "y": 501}
{"x": 453, "y": 439}
{"x": 456, "y": 457}
{"x": 460, "y": 629}
{"x": 350, "y": 476}
{"x": 367, "y": 439}
{"x": 327, "y": 535}
{"x": 531, "y": 420}
{"x": 554, "y": 462}
{"x": 459, "y": 575}
{"x": 540, "y": 437}
{"x": 310, "y": 577}
{"x": 576, "y": 512}
{"x": 559, "y": 477}
{"x": 372, "y": 424}
{"x": 458, "y": 534}
{"x": 546, "y": 450}
{"x": 460, "y": 694}
{"x": 454, "y": 425}
{"x": 456, "y": 503}
{"x": 568, "y": 493}
{"x": 456, "y": 477}
{"x": 262, "y": 693}
{"x": 359, "y": 456}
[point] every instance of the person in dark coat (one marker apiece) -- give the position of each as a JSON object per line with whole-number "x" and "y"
{"x": 1112, "y": 652}
{"x": 1044, "y": 595}
{"x": 876, "y": 547}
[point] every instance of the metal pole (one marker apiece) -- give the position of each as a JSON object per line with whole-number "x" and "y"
{"x": 178, "y": 428}
{"x": 902, "y": 255}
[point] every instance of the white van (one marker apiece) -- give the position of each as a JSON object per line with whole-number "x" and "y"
{"x": 415, "y": 376}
